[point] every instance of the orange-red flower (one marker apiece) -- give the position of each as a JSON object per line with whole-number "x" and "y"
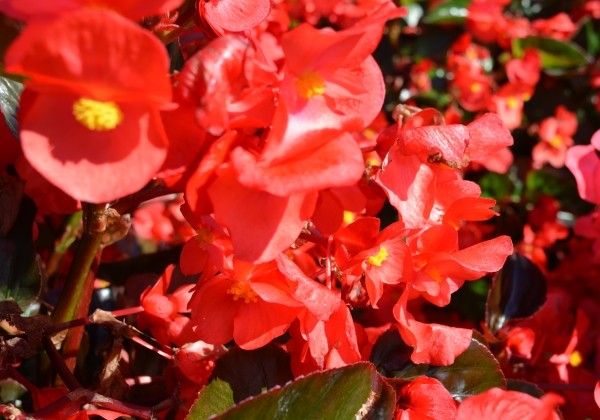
{"x": 28, "y": 10}
{"x": 251, "y": 304}
{"x": 90, "y": 119}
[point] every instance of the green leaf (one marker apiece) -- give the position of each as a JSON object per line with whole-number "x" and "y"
{"x": 451, "y": 12}
{"x": 214, "y": 398}
{"x": 517, "y": 291}
{"x": 524, "y": 387}
{"x": 497, "y": 186}
{"x": 558, "y": 57}
{"x": 355, "y": 391}
{"x": 555, "y": 183}
{"x": 592, "y": 37}
{"x": 473, "y": 372}
{"x": 10, "y": 92}
{"x": 11, "y": 390}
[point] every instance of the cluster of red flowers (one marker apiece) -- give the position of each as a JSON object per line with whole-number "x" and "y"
{"x": 270, "y": 140}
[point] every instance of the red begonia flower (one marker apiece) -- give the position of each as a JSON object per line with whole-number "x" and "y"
{"x": 520, "y": 342}
{"x": 233, "y": 15}
{"x": 584, "y": 163}
{"x": 331, "y": 80}
{"x": 335, "y": 204}
{"x": 559, "y": 26}
{"x": 163, "y": 311}
{"x": 508, "y": 103}
{"x": 196, "y": 361}
{"x": 498, "y": 404}
{"x": 387, "y": 261}
{"x": 442, "y": 268}
{"x": 253, "y": 304}
{"x": 435, "y": 344}
{"x": 487, "y": 136}
{"x": 456, "y": 142}
{"x": 92, "y": 127}
{"x": 224, "y": 82}
{"x": 570, "y": 356}
{"x": 472, "y": 89}
{"x": 526, "y": 69}
{"x": 484, "y": 19}
{"x": 319, "y": 301}
{"x": 28, "y": 10}
{"x": 268, "y": 224}
{"x": 331, "y": 343}
{"x": 320, "y": 159}
{"x": 410, "y": 186}
{"x": 556, "y": 134}
{"x": 424, "y": 398}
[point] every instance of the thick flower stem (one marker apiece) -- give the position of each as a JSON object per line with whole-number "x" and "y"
{"x": 76, "y": 296}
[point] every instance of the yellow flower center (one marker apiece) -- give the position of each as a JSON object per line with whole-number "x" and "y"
{"x": 204, "y": 236}
{"x": 575, "y": 359}
{"x": 310, "y": 84}
{"x": 476, "y": 88}
{"x": 512, "y": 102}
{"x": 349, "y": 217}
{"x": 556, "y": 141}
{"x": 243, "y": 291}
{"x": 378, "y": 259}
{"x": 97, "y": 115}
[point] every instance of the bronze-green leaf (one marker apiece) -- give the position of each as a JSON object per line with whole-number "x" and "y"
{"x": 355, "y": 391}
{"x": 473, "y": 372}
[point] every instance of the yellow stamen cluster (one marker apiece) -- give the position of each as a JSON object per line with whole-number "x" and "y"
{"x": 310, "y": 84}
{"x": 378, "y": 259}
{"x": 205, "y": 236}
{"x": 556, "y": 141}
{"x": 243, "y": 291}
{"x": 97, "y": 115}
{"x": 512, "y": 102}
{"x": 476, "y": 87}
{"x": 575, "y": 359}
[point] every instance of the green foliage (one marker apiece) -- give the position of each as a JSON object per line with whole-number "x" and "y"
{"x": 214, "y": 398}
{"x": 558, "y": 57}
{"x": 355, "y": 391}
{"x": 473, "y": 372}
{"x": 450, "y": 12}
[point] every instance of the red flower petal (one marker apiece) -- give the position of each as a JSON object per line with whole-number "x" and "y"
{"x": 92, "y": 166}
{"x": 213, "y": 310}
{"x": 485, "y": 257}
{"x": 96, "y": 53}
{"x": 425, "y": 398}
{"x": 487, "y": 135}
{"x": 409, "y": 184}
{"x": 435, "y": 344}
{"x": 448, "y": 140}
{"x": 256, "y": 324}
{"x": 42, "y": 9}
{"x": 319, "y": 300}
{"x": 336, "y": 163}
{"x": 235, "y": 15}
{"x": 267, "y": 225}
{"x": 497, "y": 404}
